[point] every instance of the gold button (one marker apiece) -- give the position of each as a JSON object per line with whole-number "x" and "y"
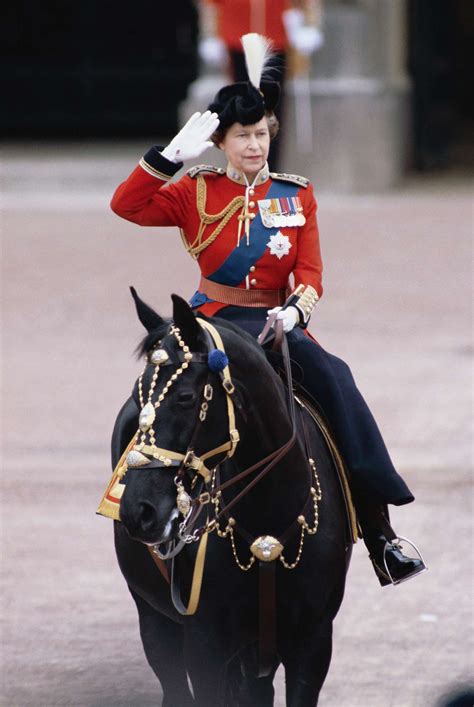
{"x": 251, "y": 204}
{"x": 252, "y": 216}
{"x": 252, "y": 269}
{"x": 251, "y": 192}
{"x": 253, "y": 282}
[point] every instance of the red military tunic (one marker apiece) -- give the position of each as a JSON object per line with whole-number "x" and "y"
{"x": 238, "y": 17}
{"x": 145, "y": 198}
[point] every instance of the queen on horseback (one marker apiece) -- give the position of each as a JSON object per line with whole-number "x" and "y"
{"x": 250, "y": 230}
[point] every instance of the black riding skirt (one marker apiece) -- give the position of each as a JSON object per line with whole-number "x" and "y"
{"x": 329, "y": 381}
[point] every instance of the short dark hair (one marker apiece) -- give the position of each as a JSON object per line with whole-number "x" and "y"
{"x": 273, "y": 126}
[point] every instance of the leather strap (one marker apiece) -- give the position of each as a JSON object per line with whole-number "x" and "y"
{"x": 267, "y": 328}
{"x": 267, "y": 640}
{"x": 160, "y": 564}
{"x": 195, "y": 593}
{"x": 271, "y": 459}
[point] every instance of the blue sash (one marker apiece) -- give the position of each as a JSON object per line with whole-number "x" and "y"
{"x": 238, "y": 263}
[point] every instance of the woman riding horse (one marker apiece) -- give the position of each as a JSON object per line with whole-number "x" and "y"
{"x": 249, "y": 230}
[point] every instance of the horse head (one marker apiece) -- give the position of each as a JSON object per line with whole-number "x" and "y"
{"x": 178, "y": 422}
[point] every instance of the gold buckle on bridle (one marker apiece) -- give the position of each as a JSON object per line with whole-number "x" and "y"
{"x": 191, "y": 460}
{"x": 228, "y": 386}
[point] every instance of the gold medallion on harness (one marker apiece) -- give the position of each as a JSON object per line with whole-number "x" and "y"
{"x": 147, "y": 417}
{"x": 183, "y": 500}
{"x": 158, "y": 356}
{"x": 266, "y": 548}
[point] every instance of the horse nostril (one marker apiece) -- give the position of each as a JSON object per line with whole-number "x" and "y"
{"x": 147, "y": 515}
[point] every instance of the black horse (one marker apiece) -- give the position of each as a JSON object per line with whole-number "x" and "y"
{"x": 217, "y": 646}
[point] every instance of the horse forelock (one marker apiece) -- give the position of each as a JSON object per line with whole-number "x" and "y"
{"x": 149, "y": 341}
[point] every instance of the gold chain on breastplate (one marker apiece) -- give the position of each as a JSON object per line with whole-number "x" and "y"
{"x": 224, "y": 216}
{"x": 228, "y": 530}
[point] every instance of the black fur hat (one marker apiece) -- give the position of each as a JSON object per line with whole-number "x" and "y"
{"x": 246, "y": 102}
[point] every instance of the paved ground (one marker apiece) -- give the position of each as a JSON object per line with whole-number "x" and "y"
{"x": 396, "y": 306}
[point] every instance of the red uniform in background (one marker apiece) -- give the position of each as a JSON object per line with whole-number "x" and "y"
{"x": 238, "y": 17}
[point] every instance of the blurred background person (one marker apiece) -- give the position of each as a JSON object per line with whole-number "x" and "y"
{"x": 293, "y": 26}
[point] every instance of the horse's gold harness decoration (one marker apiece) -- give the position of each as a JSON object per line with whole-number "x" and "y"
{"x": 266, "y": 547}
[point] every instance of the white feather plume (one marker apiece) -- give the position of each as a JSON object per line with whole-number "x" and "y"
{"x": 257, "y": 50}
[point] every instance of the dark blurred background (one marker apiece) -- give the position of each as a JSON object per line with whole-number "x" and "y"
{"x": 441, "y": 63}
{"x": 95, "y": 69}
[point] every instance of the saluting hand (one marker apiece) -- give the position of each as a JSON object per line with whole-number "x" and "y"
{"x": 193, "y": 138}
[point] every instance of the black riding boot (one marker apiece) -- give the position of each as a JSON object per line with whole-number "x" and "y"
{"x": 390, "y": 564}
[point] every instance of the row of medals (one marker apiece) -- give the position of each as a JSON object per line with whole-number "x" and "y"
{"x": 279, "y": 220}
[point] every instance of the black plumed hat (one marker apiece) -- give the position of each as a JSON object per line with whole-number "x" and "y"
{"x": 246, "y": 102}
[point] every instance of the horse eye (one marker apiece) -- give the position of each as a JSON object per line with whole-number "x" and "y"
{"x": 186, "y": 396}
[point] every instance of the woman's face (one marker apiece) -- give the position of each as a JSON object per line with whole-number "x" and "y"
{"x": 246, "y": 146}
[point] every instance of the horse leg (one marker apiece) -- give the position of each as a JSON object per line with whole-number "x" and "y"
{"x": 307, "y": 666}
{"x": 206, "y": 655}
{"x": 224, "y": 683}
{"x": 163, "y": 641}
{"x": 243, "y": 687}
{"x": 256, "y": 691}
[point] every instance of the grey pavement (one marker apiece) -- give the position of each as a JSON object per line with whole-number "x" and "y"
{"x": 397, "y": 308}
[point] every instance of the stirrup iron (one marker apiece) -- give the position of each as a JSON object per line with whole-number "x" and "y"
{"x": 397, "y": 541}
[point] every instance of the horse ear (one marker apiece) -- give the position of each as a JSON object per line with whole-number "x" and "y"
{"x": 185, "y": 320}
{"x": 148, "y": 317}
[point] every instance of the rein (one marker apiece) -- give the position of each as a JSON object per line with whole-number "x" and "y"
{"x": 271, "y": 459}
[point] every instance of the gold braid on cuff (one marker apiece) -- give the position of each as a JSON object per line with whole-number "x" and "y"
{"x": 306, "y": 300}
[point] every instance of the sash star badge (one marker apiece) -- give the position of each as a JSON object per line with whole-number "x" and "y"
{"x": 279, "y": 245}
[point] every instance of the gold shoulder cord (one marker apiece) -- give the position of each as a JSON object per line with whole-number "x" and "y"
{"x": 224, "y": 216}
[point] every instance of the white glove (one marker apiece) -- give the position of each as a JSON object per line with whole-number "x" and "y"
{"x": 289, "y": 316}
{"x": 212, "y": 51}
{"x": 307, "y": 40}
{"x": 304, "y": 38}
{"x": 193, "y": 138}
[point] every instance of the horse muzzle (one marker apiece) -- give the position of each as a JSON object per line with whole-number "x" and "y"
{"x": 144, "y": 523}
